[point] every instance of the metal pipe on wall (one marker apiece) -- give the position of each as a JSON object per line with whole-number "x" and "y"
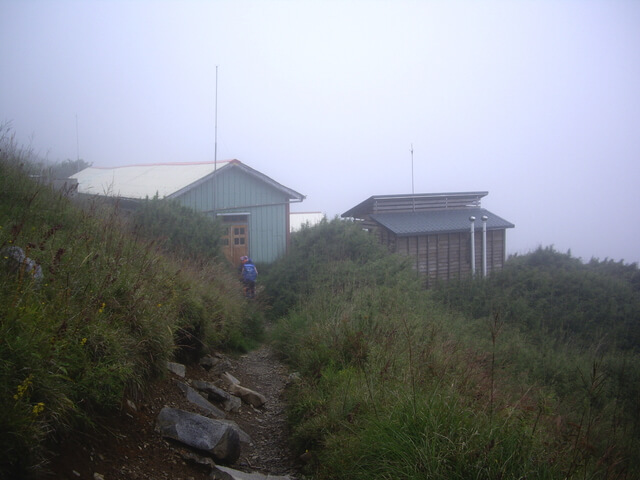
{"x": 472, "y": 219}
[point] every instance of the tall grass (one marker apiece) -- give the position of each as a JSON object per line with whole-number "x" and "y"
{"x": 396, "y": 384}
{"x": 110, "y": 310}
{"x": 178, "y": 229}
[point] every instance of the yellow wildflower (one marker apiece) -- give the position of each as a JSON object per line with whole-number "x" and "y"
{"x": 23, "y": 387}
{"x": 38, "y": 408}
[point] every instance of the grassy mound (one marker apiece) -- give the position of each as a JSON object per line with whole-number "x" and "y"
{"x": 398, "y": 382}
{"x": 108, "y": 312}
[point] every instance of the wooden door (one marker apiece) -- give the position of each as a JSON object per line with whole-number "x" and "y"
{"x": 235, "y": 242}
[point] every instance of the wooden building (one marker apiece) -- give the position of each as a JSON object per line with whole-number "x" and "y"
{"x": 253, "y": 208}
{"x": 435, "y": 230}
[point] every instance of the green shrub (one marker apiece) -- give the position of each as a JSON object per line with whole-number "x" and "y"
{"x": 110, "y": 310}
{"x": 341, "y": 244}
{"x": 553, "y": 293}
{"x": 418, "y": 389}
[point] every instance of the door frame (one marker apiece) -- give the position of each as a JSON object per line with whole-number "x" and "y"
{"x": 235, "y": 237}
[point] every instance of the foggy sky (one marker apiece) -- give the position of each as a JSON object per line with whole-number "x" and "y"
{"x": 537, "y": 102}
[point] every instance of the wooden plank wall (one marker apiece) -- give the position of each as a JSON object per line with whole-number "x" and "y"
{"x": 442, "y": 257}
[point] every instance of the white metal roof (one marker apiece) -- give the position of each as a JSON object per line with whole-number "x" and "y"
{"x": 140, "y": 181}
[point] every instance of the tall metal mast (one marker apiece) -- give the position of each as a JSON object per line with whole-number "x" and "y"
{"x": 215, "y": 148}
{"x": 77, "y": 144}
{"x": 412, "y": 189}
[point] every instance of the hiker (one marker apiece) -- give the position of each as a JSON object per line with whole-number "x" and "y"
{"x": 249, "y": 275}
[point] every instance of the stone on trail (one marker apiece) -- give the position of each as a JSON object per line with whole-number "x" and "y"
{"x": 177, "y": 368}
{"x": 219, "y": 439}
{"x": 233, "y": 404}
{"x": 217, "y": 474}
{"x": 214, "y": 393}
{"x": 230, "y": 402}
{"x": 230, "y": 379}
{"x": 201, "y": 402}
{"x": 208, "y": 362}
{"x": 225, "y": 473}
{"x": 248, "y": 396}
{"x": 244, "y": 436}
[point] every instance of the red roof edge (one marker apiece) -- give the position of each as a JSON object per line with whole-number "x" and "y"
{"x": 234, "y": 161}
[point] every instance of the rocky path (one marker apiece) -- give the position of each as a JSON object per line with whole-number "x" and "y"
{"x": 128, "y": 446}
{"x": 261, "y": 371}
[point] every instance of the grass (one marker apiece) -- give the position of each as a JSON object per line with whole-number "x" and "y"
{"x": 109, "y": 311}
{"x": 440, "y": 439}
{"x": 398, "y": 384}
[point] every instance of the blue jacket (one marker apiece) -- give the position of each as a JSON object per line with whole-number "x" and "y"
{"x": 249, "y": 272}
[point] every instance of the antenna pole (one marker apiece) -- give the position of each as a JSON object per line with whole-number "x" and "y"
{"x": 412, "y": 189}
{"x": 77, "y": 143}
{"x": 215, "y": 147}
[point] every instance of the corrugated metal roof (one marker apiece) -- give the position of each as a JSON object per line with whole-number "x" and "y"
{"x": 438, "y": 221}
{"x": 140, "y": 181}
{"x": 163, "y": 179}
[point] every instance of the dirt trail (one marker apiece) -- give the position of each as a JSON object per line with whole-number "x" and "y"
{"x": 261, "y": 371}
{"x": 126, "y": 446}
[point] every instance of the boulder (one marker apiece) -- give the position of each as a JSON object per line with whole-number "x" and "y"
{"x": 220, "y": 473}
{"x": 230, "y": 379}
{"x": 218, "y": 439}
{"x": 217, "y": 474}
{"x": 177, "y": 368}
{"x": 214, "y": 393}
{"x": 244, "y": 436}
{"x": 248, "y": 396}
{"x": 230, "y": 402}
{"x": 199, "y": 401}
{"x": 208, "y": 362}
{"x": 233, "y": 404}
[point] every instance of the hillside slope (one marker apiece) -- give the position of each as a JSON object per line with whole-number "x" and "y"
{"x": 106, "y": 306}
{"x": 474, "y": 380}
{"x": 128, "y": 447}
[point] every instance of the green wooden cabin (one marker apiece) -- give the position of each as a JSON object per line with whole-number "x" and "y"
{"x": 253, "y": 208}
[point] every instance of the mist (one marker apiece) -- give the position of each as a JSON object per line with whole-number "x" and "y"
{"x": 535, "y": 102}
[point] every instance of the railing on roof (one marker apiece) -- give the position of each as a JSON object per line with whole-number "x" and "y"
{"x": 417, "y": 203}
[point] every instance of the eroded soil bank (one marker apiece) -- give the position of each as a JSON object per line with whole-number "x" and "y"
{"x": 126, "y": 446}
